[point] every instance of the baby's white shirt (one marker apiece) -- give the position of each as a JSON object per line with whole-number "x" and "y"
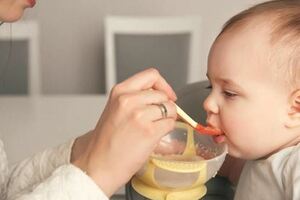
{"x": 274, "y": 178}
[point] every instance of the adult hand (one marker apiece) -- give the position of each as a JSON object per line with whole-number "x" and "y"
{"x": 128, "y": 131}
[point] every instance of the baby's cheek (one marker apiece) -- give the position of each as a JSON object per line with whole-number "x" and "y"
{"x": 237, "y": 136}
{"x": 233, "y": 126}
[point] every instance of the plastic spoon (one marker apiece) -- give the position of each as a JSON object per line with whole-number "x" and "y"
{"x": 198, "y": 127}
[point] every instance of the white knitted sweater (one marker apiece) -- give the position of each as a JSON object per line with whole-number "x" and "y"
{"x": 46, "y": 176}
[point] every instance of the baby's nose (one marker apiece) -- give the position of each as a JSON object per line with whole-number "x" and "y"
{"x": 210, "y": 105}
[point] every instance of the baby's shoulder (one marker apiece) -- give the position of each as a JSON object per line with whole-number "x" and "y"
{"x": 293, "y": 156}
{"x": 285, "y": 156}
{"x": 290, "y": 174}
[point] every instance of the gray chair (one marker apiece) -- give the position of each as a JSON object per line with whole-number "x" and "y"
{"x": 171, "y": 44}
{"x": 19, "y": 59}
{"x": 191, "y": 98}
{"x": 14, "y": 67}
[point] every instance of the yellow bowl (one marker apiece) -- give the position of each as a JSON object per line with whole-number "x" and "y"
{"x": 183, "y": 159}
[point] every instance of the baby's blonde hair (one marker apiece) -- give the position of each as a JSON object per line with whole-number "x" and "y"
{"x": 284, "y": 17}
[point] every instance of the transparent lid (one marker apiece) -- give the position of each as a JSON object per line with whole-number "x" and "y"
{"x": 185, "y": 144}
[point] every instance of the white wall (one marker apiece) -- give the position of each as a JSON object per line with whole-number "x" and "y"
{"x": 72, "y": 51}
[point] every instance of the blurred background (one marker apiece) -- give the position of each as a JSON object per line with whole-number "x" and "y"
{"x": 72, "y": 43}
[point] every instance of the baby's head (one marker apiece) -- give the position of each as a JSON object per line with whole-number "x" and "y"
{"x": 254, "y": 70}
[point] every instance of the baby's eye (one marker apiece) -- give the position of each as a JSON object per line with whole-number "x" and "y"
{"x": 229, "y": 94}
{"x": 209, "y": 87}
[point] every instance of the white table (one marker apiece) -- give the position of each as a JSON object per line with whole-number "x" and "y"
{"x": 31, "y": 124}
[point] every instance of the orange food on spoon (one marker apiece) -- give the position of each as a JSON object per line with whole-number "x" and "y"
{"x": 198, "y": 127}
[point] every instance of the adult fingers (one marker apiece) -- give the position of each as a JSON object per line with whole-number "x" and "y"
{"x": 154, "y": 112}
{"x": 144, "y": 80}
{"x": 148, "y": 97}
{"x": 138, "y": 100}
{"x": 162, "y": 127}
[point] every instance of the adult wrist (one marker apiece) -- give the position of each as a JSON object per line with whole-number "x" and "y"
{"x": 102, "y": 175}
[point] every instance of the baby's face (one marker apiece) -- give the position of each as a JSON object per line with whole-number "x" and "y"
{"x": 247, "y": 102}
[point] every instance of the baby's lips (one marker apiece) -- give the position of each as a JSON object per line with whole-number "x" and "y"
{"x": 208, "y": 130}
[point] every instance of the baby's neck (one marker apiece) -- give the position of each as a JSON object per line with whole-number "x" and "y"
{"x": 292, "y": 142}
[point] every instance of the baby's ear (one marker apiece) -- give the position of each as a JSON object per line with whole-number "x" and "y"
{"x": 294, "y": 110}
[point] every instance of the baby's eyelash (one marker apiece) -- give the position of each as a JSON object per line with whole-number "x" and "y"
{"x": 209, "y": 87}
{"x": 229, "y": 94}
{"x": 226, "y": 93}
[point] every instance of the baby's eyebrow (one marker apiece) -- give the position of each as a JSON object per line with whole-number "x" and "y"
{"x": 226, "y": 81}
{"x": 230, "y": 82}
{"x": 223, "y": 80}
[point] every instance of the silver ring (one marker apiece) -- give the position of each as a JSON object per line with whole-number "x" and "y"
{"x": 163, "y": 110}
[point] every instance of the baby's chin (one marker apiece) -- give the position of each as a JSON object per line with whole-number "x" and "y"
{"x": 243, "y": 155}
{"x": 234, "y": 151}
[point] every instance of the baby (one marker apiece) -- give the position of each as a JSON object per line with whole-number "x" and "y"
{"x": 254, "y": 71}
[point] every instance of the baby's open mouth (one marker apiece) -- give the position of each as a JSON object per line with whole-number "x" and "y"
{"x": 209, "y": 130}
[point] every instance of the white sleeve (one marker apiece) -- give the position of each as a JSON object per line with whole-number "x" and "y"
{"x": 49, "y": 175}
{"x": 66, "y": 183}
{"x": 32, "y": 171}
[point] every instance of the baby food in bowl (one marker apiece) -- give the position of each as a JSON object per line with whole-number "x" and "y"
{"x": 181, "y": 164}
